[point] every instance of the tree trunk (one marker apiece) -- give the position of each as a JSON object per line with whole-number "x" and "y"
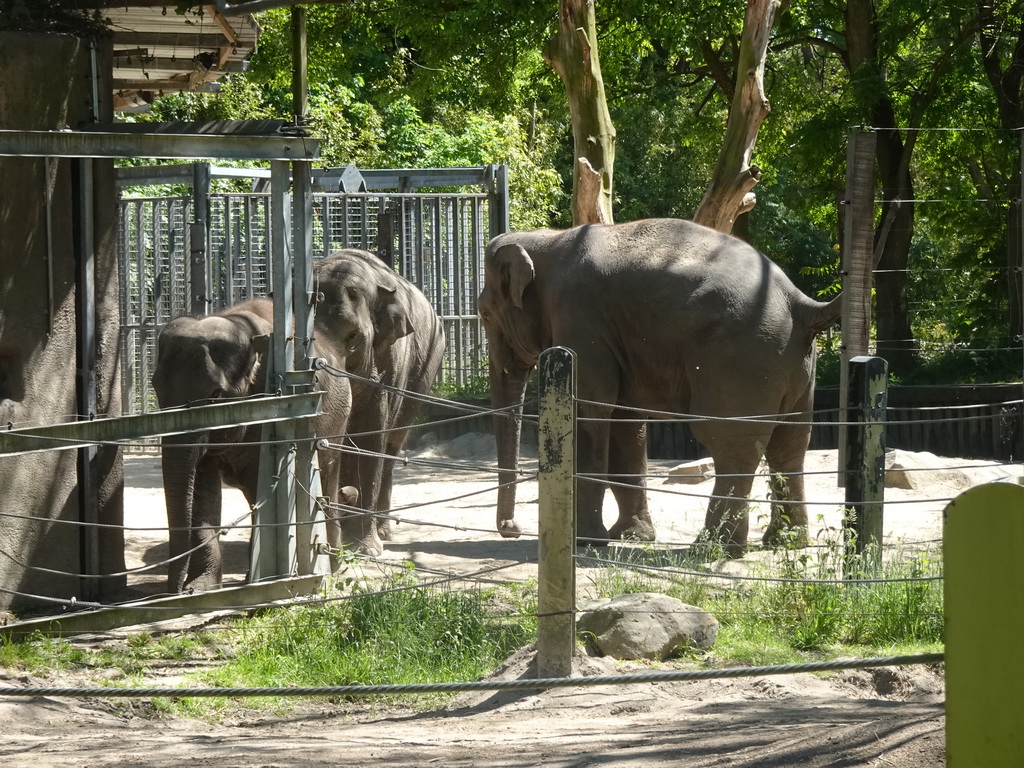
{"x": 1006, "y": 85}
{"x": 896, "y": 228}
{"x": 572, "y": 53}
{"x": 730, "y": 192}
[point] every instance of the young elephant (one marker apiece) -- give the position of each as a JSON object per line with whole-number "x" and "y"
{"x": 208, "y": 358}
{"x": 664, "y": 315}
{"x": 392, "y": 341}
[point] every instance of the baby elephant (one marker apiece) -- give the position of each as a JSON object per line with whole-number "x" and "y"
{"x": 206, "y": 359}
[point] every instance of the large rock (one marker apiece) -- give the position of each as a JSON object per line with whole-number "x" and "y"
{"x": 647, "y": 625}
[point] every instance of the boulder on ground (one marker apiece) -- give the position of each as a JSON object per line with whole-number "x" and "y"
{"x": 647, "y": 625}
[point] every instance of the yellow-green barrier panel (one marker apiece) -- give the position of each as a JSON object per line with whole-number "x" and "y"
{"x": 983, "y": 544}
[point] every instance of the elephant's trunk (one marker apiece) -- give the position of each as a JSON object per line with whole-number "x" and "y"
{"x": 180, "y": 455}
{"x": 507, "y": 389}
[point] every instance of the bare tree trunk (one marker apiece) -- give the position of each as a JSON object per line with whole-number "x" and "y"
{"x": 896, "y": 227}
{"x": 572, "y": 53}
{"x": 729, "y": 193}
{"x": 1006, "y": 85}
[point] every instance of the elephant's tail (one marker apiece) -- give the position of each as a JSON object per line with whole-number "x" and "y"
{"x": 818, "y": 315}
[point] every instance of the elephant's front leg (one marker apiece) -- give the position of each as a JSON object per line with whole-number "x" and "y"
{"x": 205, "y": 568}
{"x": 361, "y": 465}
{"x": 592, "y": 466}
{"x": 627, "y": 470}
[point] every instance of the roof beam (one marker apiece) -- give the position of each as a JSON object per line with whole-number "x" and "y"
{"x": 174, "y": 421}
{"x": 109, "y": 144}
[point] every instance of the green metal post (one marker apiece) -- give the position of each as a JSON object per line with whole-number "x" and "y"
{"x": 983, "y": 544}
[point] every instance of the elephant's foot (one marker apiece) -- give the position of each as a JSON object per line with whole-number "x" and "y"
{"x": 633, "y": 529}
{"x": 784, "y": 536}
{"x": 509, "y": 529}
{"x": 712, "y": 546}
{"x": 592, "y": 536}
{"x": 385, "y": 524}
{"x": 203, "y": 583}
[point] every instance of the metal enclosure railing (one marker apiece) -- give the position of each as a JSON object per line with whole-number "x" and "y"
{"x": 434, "y": 239}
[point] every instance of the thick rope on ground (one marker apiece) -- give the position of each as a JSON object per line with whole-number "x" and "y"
{"x": 481, "y": 685}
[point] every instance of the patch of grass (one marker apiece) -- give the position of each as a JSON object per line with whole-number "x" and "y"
{"x": 401, "y": 634}
{"x": 805, "y": 603}
{"x": 47, "y": 656}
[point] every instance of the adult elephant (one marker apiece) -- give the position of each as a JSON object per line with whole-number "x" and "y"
{"x": 664, "y": 315}
{"x": 393, "y": 343}
{"x": 207, "y": 359}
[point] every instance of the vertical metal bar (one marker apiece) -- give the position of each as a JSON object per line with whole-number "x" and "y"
{"x": 456, "y": 260}
{"x": 48, "y": 193}
{"x": 86, "y": 396}
{"x": 310, "y": 524}
{"x": 865, "y": 457}
{"x": 556, "y": 539}
{"x": 300, "y": 85}
{"x": 858, "y": 216}
{"x": 499, "y": 200}
{"x": 199, "y": 239}
{"x": 477, "y": 270}
{"x": 273, "y": 548}
{"x": 346, "y": 241}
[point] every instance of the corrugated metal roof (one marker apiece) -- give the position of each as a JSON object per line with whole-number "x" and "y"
{"x": 158, "y": 51}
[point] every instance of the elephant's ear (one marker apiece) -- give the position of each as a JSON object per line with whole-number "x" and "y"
{"x": 516, "y": 269}
{"x": 390, "y": 320}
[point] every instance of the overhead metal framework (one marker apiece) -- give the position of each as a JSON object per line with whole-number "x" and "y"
{"x": 159, "y": 51}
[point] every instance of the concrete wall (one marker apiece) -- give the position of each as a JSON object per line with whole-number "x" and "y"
{"x": 47, "y": 84}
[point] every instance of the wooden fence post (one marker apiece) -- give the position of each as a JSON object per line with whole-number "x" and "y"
{"x": 983, "y": 538}
{"x": 865, "y": 455}
{"x": 556, "y": 541}
{"x": 857, "y": 224}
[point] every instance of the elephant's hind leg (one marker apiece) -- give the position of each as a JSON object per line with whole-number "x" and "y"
{"x": 627, "y": 470}
{"x": 785, "y": 456}
{"x": 727, "y": 521}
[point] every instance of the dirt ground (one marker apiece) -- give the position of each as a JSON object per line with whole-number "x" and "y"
{"x": 880, "y": 718}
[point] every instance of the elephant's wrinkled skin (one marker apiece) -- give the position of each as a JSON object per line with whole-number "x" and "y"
{"x": 208, "y": 358}
{"x": 392, "y": 340}
{"x": 664, "y": 315}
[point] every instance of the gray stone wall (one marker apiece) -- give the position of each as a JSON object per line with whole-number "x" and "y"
{"x": 47, "y": 85}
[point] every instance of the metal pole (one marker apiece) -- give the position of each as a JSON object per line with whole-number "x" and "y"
{"x": 865, "y": 457}
{"x": 300, "y": 85}
{"x": 858, "y": 235}
{"x": 499, "y": 200}
{"x": 199, "y": 240}
{"x": 556, "y": 573}
{"x": 273, "y": 551}
{"x": 86, "y": 395}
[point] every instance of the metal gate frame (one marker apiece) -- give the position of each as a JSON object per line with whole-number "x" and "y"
{"x": 207, "y": 250}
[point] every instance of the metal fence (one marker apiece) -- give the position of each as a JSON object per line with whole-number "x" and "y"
{"x": 435, "y": 240}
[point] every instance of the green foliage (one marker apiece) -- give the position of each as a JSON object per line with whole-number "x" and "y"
{"x": 418, "y": 84}
{"x": 62, "y": 16}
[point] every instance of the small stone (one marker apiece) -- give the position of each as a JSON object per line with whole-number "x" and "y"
{"x": 691, "y": 472}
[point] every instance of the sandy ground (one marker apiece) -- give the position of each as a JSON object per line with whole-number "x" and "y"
{"x": 864, "y": 718}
